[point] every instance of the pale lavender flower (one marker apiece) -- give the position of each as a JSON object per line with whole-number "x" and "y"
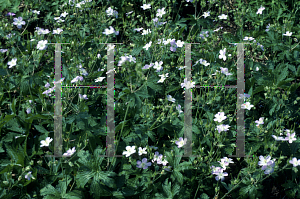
{"x": 260, "y": 121}
{"x": 70, "y": 152}
{"x": 269, "y": 168}
{"x": 169, "y": 97}
{"x": 10, "y": 14}
{"x": 3, "y": 50}
{"x": 47, "y": 85}
{"x": 18, "y": 22}
{"x": 295, "y": 162}
{"x": 83, "y": 96}
{"x": 144, "y": 164}
{"x": 28, "y": 110}
{"x": 222, "y": 127}
{"x": 28, "y": 176}
{"x": 181, "y": 142}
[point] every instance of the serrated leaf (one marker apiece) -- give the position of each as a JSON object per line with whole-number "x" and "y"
{"x": 178, "y": 176}
{"x": 83, "y": 177}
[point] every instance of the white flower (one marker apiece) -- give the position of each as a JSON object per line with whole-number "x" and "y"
{"x": 160, "y": 12}
{"x": 163, "y": 77}
{"x": 142, "y": 151}
{"x": 99, "y": 79}
{"x": 130, "y": 150}
{"x": 179, "y": 43}
{"x": 145, "y": 32}
{"x": 247, "y": 106}
{"x": 278, "y": 138}
{"x": 70, "y": 152}
{"x": 260, "y": 10}
{"x": 64, "y": 14}
{"x": 206, "y": 14}
{"x": 12, "y": 63}
{"x": 290, "y": 137}
{"x": 46, "y": 142}
{"x": 181, "y": 67}
{"x": 158, "y": 66}
{"x": 220, "y": 117}
{"x": 223, "y": 16}
{"x": 57, "y": 31}
{"x": 148, "y": 45}
{"x": 187, "y": 84}
{"x": 109, "y": 11}
{"x": 138, "y": 29}
{"x": 169, "y": 97}
{"x": 222, "y": 127}
{"x": 248, "y": 38}
{"x": 42, "y": 45}
{"x": 218, "y": 29}
{"x": 109, "y": 31}
{"x": 36, "y": 12}
{"x": 146, "y": 6}
{"x": 222, "y": 54}
{"x": 131, "y": 59}
{"x": 288, "y": 34}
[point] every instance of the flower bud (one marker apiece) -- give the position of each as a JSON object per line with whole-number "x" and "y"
{"x": 27, "y": 168}
{"x": 19, "y": 178}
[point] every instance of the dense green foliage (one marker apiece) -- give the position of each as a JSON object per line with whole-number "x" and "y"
{"x": 144, "y": 116}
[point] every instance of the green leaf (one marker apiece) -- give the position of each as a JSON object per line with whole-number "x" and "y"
{"x": 83, "y": 177}
{"x": 41, "y": 129}
{"x": 178, "y": 176}
{"x": 279, "y": 15}
{"x": 244, "y": 190}
{"x": 50, "y": 192}
{"x": 204, "y": 196}
{"x": 167, "y": 188}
